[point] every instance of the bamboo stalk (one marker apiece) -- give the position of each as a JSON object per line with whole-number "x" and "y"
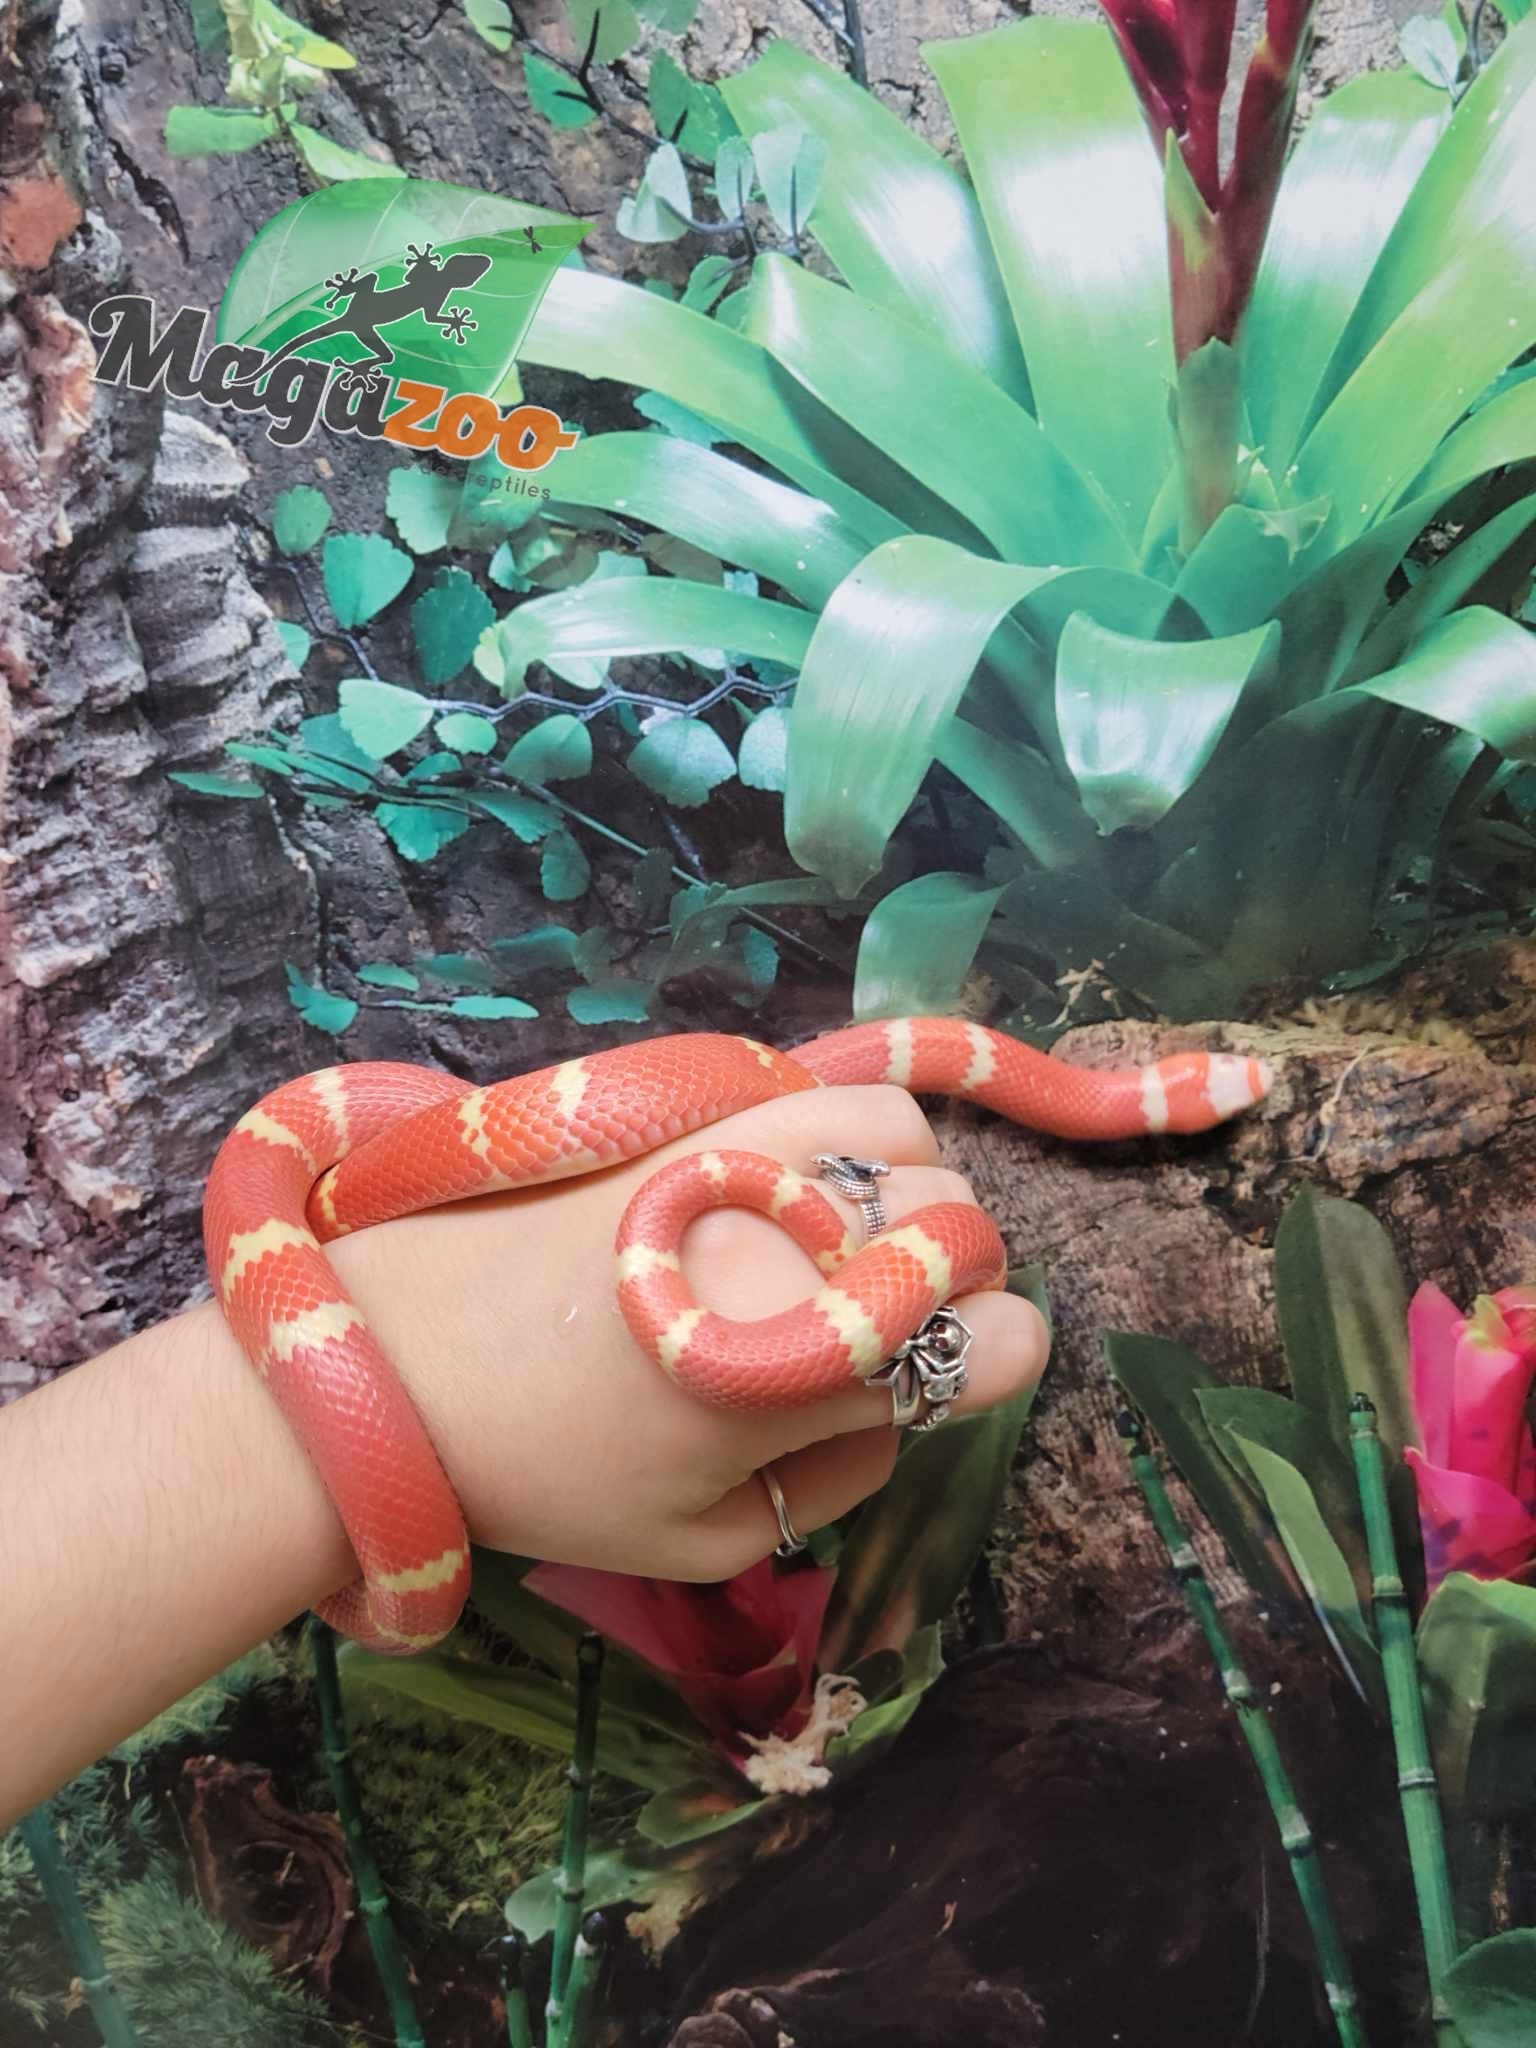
{"x": 572, "y": 1883}
{"x": 581, "y": 1986}
{"x": 111, "y": 2015}
{"x": 1296, "y": 1836}
{"x": 388, "y": 1957}
{"x": 1416, "y": 1785}
{"x": 514, "y": 1993}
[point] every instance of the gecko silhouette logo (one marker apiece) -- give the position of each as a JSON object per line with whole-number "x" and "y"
{"x": 414, "y": 341}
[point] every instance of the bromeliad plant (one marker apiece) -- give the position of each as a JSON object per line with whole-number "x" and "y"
{"x": 1127, "y": 547}
{"x": 1404, "y": 1422}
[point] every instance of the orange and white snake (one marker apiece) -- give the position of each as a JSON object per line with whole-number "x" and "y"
{"x": 335, "y": 1151}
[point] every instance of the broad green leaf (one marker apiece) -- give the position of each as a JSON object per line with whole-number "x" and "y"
{"x": 1140, "y": 719}
{"x": 791, "y": 162}
{"x": 672, "y": 418}
{"x": 1477, "y": 1663}
{"x": 599, "y": 328}
{"x": 549, "y": 945}
{"x": 1320, "y": 1564}
{"x": 419, "y": 832}
{"x": 606, "y": 28}
{"x": 557, "y": 749}
{"x": 381, "y": 718}
{"x": 317, "y": 1006}
{"x": 1087, "y": 282}
{"x": 1429, "y": 47}
{"x": 1502, "y": 431}
{"x": 273, "y": 25}
{"x": 330, "y": 162}
{"x": 363, "y": 572}
{"x": 661, "y": 207}
{"x": 524, "y": 1704}
{"x": 446, "y": 622}
{"x": 524, "y": 816}
{"x": 278, "y": 294}
{"x": 456, "y": 970}
{"x": 762, "y": 759}
{"x": 211, "y": 131}
{"x": 682, "y": 760}
{"x": 328, "y": 741}
{"x": 903, "y": 1564}
{"x": 490, "y": 1008}
{"x": 900, "y": 223}
{"x": 1022, "y": 789}
{"x": 1491, "y": 1991}
{"x": 706, "y": 281}
{"x": 299, "y": 517}
{"x": 214, "y": 785}
{"x": 967, "y": 442}
{"x": 685, "y": 113}
{"x": 379, "y": 974}
{"x": 720, "y": 506}
{"x": 296, "y": 642}
{"x": 735, "y": 179}
{"x": 564, "y": 870}
{"x": 610, "y": 1002}
{"x": 890, "y": 660}
{"x": 555, "y": 94}
{"x": 919, "y": 945}
{"x": 423, "y": 506}
{"x": 1502, "y": 551}
{"x": 1165, "y": 1381}
{"x": 656, "y": 615}
{"x": 1246, "y": 562}
{"x": 694, "y": 1812}
{"x": 468, "y": 733}
{"x": 492, "y": 22}
{"x": 675, "y": 16}
{"x": 1301, "y": 1437}
{"x": 1475, "y": 670}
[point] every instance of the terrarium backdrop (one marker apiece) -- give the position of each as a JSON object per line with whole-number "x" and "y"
{"x": 1081, "y": 1839}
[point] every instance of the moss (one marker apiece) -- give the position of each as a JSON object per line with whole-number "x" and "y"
{"x": 203, "y": 1709}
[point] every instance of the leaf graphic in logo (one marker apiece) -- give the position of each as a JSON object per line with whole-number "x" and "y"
{"x": 405, "y": 276}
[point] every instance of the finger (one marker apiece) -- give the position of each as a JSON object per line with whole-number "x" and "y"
{"x": 876, "y": 1122}
{"x": 819, "y": 1484}
{"x": 1009, "y": 1353}
{"x": 745, "y": 1266}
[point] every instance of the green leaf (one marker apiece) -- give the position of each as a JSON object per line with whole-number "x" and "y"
{"x": 524, "y": 816}
{"x": 213, "y": 131}
{"x": 317, "y": 1006}
{"x": 1477, "y": 1663}
{"x": 791, "y": 162}
{"x": 918, "y": 946}
{"x": 446, "y": 622}
{"x": 654, "y": 615}
{"x": 419, "y": 832}
{"x": 363, "y": 572}
{"x": 611, "y": 1002}
{"x": 693, "y": 1812}
{"x": 490, "y": 1007}
{"x": 672, "y": 15}
{"x": 333, "y": 164}
{"x": 902, "y": 1565}
{"x": 381, "y": 718}
{"x": 673, "y": 418}
{"x": 762, "y": 759}
{"x": 682, "y": 760}
{"x": 1343, "y": 1316}
{"x": 550, "y": 945}
{"x": 214, "y": 785}
{"x": 610, "y": 1877}
{"x": 555, "y": 94}
{"x": 965, "y": 441}
{"x": 1475, "y": 670}
{"x": 661, "y": 207}
{"x": 557, "y": 749}
{"x": 605, "y": 27}
{"x": 468, "y": 733}
{"x": 1320, "y": 1564}
{"x": 379, "y": 974}
{"x": 1140, "y": 719}
{"x": 686, "y": 114}
{"x": 901, "y": 224}
{"x": 299, "y": 517}
{"x": 564, "y": 870}
{"x": 707, "y": 280}
{"x": 422, "y": 504}
{"x": 278, "y": 292}
{"x": 1491, "y": 1991}
{"x": 1166, "y": 1382}
{"x": 735, "y": 179}
{"x": 296, "y": 642}
{"x": 1021, "y": 788}
{"x": 1431, "y": 50}
{"x": 492, "y": 22}
{"x": 1088, "y": 283}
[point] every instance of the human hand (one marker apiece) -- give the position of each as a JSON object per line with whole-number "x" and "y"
{"x": 563, "y": 1440}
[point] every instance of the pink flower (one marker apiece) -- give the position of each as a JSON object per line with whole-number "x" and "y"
{"x": 1476, "y": 1473}
{"x": 741, "y": 1654}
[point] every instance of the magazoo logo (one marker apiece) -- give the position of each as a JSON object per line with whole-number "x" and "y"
{"x": 387, "y": 307}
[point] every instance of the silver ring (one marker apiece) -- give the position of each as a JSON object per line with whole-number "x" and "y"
{"x": 857, "y": 1180}
{"x": 792, "y": 1542}
{"x": 927, "y": 1374}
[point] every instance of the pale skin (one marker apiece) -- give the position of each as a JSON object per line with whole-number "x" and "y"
{"x": 160, "y": 1518}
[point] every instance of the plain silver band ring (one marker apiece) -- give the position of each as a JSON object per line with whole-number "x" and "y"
{"x": 792, "y": 1541}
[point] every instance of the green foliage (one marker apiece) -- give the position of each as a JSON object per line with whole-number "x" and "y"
{"x": 1491, "y": 1991}
{"x": 317, "y": 1006}
{"x": 363, "y": 573}
{"x": 447, "y": 620}
{"x": 683, "y": 760}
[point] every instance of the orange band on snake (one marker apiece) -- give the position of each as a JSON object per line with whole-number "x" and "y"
{"x": 351, "y": 1146}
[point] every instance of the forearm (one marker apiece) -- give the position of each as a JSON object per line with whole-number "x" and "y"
{"x": 159, "y": 1519}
